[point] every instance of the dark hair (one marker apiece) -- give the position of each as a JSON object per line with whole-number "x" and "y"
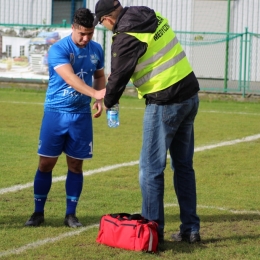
{"x": 83, "y": 17}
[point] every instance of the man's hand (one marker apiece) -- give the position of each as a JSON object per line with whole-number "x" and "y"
{"x": 98, "y": 106}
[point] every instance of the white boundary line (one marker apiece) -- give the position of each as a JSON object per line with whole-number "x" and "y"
{"x": 229, "y": 113}
{"x": 107, "y": 168}
{"x": 42, "y": 242}
{"x": 142, "y": 108}
{"x": 256, "y": 212}
{"x": 38, "y": 243}
{"x": 22, "y": 102}
{"x": 116, "y": 166}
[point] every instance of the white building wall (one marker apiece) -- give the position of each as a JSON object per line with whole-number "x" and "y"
{"x": 8, "y": 40}
{"x": 247, "y": 15}
{"x": 36, "y": 12}
{"x": 209, "y": 16}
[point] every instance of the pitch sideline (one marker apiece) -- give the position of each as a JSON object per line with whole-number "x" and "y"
{"x": 80, "y": 230}
{"x": 132, "y": 163}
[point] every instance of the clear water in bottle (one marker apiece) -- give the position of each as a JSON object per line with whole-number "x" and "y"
{"x": 113, "y": 116}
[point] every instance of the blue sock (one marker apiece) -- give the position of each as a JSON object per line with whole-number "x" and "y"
{"x": 42, "y": 185}
{"x": 74, "y": 183}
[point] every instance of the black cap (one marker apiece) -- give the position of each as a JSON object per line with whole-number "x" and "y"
{"x": 104, "y": 7}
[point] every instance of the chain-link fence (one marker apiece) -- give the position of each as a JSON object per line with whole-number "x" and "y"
{"x": 220, "y": 38}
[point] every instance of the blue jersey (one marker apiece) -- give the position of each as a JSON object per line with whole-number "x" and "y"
{"x": 61, "y": 97}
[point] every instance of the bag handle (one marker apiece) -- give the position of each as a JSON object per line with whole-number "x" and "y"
{"x": 123, "y": 216}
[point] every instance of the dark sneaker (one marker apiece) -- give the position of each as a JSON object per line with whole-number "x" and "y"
{"x": 187, "y": 237}
{"x": 35, "y": 220}
{"x": 72, "y": 221}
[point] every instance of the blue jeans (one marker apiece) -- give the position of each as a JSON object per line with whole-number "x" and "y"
{"x": 169, "y": 127}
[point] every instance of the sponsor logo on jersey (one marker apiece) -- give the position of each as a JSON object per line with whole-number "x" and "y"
{"x": 70, "y": 90}
{"x": 94, "y": 59}
{"x": 82, "y": 56}
{"x": 39, "y": 144}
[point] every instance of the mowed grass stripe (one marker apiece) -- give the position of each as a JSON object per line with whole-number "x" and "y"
{"x": 116, "y": 166}
{"x": 142, "y": 108}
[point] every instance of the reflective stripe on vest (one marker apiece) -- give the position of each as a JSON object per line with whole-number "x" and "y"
{"x": 159, "y": 69}
{"x": 158, "y": 55}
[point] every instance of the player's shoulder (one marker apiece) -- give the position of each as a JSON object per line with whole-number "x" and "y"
{"x": 63, "y": 41}
{"x": 95, "y": 44}
{"x": 60, "y": 45}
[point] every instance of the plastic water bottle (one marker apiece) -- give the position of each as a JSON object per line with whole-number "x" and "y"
{"x": 113, "y": 116}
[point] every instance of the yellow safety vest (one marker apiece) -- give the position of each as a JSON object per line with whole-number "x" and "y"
{"x": 164, "y": 62}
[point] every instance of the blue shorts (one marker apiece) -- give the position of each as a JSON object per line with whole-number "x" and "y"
{"x": 68, "y": 133}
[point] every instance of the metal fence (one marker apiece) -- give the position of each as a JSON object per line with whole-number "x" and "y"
{"x": 220, "y": 37}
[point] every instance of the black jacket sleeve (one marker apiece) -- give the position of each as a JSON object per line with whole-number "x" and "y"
{"x": 125, "y": 52}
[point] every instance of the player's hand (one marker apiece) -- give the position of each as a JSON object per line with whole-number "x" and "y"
{"x": 99, "y": 94}
{"x": 99, "y": 107}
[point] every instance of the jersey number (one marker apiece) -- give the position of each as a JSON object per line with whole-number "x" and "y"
{"x": 91, "y": 148}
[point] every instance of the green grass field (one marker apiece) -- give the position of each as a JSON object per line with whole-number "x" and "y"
{"x": 226, "y": 161}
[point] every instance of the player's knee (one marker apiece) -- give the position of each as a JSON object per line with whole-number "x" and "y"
{"x": 46, "y": 164}
{"x": 75, "y": 165}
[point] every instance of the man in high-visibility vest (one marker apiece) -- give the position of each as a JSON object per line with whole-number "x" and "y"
{"x": 145, "y": 49}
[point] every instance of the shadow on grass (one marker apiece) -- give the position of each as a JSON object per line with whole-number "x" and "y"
{"x": 218, "y": 218}
{"x": 16, "y": 219}
{"x": 184, "y": 247}
{"x": 229, "y": 217}
{"x": 237, "y": 227}
{"x": 179, "y": 247}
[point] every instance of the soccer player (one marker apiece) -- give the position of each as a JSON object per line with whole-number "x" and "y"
{"x": 67, "y": 122}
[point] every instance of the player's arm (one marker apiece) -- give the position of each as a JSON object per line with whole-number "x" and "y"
{"x": 67, "y": 73}
{"x": 99, "y": 83}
